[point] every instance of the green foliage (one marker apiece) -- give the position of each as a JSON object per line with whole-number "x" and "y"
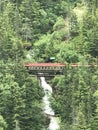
{"x": 74, "y": 25}
{"x": 90, "y": 32}
{"x": 3, "y": 124}
{"x": 74, "y": 101}
{"x": 45, "y": 29}
{"x": 68, "y": 54}
{"x": 20, "y": 99}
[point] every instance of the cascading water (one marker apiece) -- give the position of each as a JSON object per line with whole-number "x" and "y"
{"x": 47, "y": 108}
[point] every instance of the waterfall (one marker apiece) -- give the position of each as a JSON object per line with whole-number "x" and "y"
{"x": 47, "y": 105}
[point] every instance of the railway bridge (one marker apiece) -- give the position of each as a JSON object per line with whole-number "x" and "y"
{"x": 50, "y": 69}
{"x": 45, "y": 69}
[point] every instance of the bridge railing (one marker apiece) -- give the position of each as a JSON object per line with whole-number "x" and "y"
{"x": 45, "y": 68}
{"x": 52, "y": 68}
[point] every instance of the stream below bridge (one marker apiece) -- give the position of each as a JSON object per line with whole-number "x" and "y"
{"x": 53, "y": 125}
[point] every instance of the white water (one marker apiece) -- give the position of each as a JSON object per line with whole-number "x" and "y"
{"x": 47, "y": 106}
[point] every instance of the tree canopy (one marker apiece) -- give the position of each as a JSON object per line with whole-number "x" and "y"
{"x": 35, "y": 31}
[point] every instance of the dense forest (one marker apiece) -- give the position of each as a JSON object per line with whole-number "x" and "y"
{"x": 35, "y": 31}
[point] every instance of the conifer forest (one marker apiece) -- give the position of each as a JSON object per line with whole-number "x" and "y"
{"x": 45, "y": 31}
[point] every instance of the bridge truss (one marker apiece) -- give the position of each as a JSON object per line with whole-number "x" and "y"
{"x": 50, "y": 69}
